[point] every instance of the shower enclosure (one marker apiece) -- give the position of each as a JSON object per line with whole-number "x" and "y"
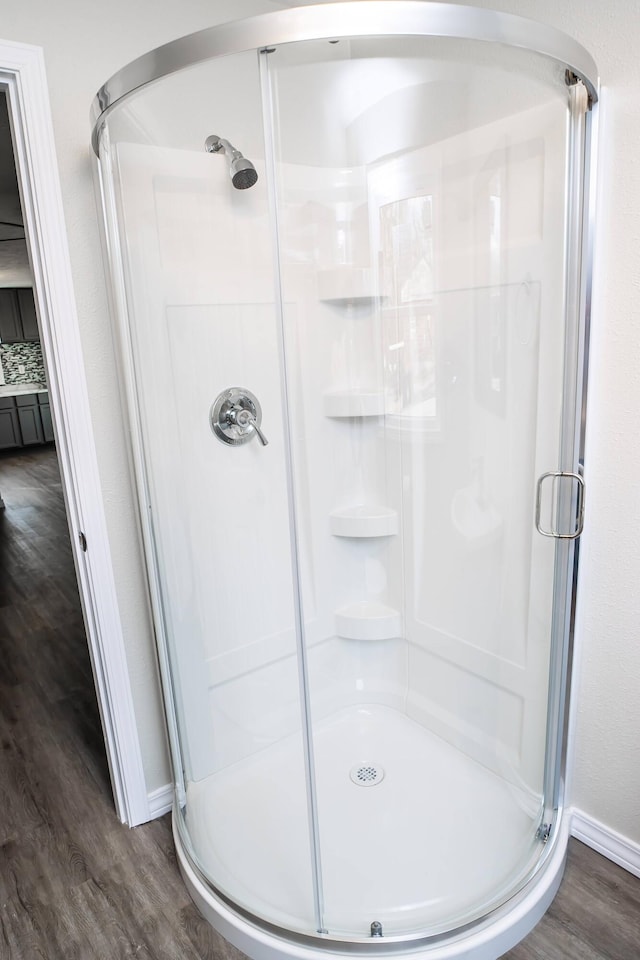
{"x": 348, "y": 247}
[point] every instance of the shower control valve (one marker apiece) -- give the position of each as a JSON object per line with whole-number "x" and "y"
{"x": 235, "y": 417}
{"x": 244, "y": 418}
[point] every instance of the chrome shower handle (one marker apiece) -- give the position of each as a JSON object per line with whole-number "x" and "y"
{"x": 235, "y": 416}
{"x": 245, "y": 418}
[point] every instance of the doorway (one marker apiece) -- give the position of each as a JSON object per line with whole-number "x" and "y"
{"x": 44, "y": 645}
{"x": 23, "y": 83}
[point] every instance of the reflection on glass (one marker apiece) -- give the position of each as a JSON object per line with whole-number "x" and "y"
{"x": 422, "y": 273}
{"x": 420, "y": 201}
{"x": 408, "y": 316}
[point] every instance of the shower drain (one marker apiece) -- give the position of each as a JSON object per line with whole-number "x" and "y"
{"x": 366, "y": 774}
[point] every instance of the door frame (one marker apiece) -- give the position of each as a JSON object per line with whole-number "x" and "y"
{"x": 23, "y": 79}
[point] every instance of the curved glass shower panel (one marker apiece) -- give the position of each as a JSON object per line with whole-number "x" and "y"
{"x": 197, "y": 264}
{"x": 421, "y": 228}
{"x": 362, "y": 635}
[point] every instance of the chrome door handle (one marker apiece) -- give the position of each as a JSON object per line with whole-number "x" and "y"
{"x": 556, "y": 474}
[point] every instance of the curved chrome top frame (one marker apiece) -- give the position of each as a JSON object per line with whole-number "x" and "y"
{"x": 370, "y": 18}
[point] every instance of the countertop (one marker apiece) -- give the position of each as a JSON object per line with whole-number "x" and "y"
{"x": 15, "y": 389}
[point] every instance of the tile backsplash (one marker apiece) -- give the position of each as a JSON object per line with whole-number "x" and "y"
{"x": 14, "y": 356}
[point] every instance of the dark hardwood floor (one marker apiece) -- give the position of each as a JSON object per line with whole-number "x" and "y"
{"x": 75, "y": 884}
{"x": 595, "y": 915}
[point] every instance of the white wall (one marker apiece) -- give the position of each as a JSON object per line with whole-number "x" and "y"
{"x": 607, "y": 758}
{"x": 606, "y": 782}
{"x": 84, "y": 43}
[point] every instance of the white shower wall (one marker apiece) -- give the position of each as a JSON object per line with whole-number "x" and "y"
{"x": 201, "y": 288}
{"x": 220, "y": 514}
{"x": 479, "y": 577}
{"x": 478, "y": 679}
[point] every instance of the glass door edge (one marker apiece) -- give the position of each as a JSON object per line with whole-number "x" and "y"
{"x": 579, "y": 244}
{"x": 126, "y": 367}
{"x": 303, "y": 672}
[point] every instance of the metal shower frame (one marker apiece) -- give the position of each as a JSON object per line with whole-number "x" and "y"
{"x": 414, "y": 18}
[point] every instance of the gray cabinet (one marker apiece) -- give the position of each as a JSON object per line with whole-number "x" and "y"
{"x": 10, "y": 324}
{"x": 18, "y": 320}
{"x": 25, "y": 420}
{"x": 9, "y": 426}
{"x": 9, "y": 429}
{"x": 45, "y": 416}
{"x": 28, "y": 316}
{"x": 29, "y": 419}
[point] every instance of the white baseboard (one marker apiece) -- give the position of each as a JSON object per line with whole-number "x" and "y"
{"x": 160, "y": 801}
{"x": 624, "y": 852}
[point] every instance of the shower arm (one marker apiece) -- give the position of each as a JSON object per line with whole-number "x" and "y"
{"x": 215, "y": 144}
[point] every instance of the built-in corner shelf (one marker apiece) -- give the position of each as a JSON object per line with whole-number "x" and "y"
{"x": 367, "y": 620}
{"x": 353, "y": 403}
{"x": 364, "y": 520}
{"x": 345, "y": 285}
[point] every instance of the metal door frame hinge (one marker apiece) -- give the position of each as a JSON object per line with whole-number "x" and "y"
{"x": 543, "y": 832}
{"x": 83, "y": 541}
{"x": 571, "y": 79}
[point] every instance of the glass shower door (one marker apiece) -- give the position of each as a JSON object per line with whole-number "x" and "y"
{"x": 359, "y": 618}
{"x": 420, "y": 200}
{"x": 198, "y": 276}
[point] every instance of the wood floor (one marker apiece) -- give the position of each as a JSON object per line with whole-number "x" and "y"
{"x": 77, "y": 885}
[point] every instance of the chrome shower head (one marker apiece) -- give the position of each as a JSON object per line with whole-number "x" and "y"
{"x": 242, "y": 171}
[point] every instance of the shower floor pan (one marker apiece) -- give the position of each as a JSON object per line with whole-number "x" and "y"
{"x": 422, "y": 844}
